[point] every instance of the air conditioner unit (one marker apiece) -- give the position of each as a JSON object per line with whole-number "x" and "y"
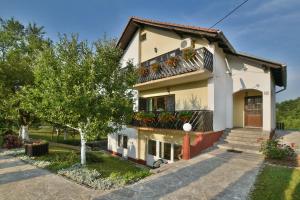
{"x": 186, "y": 43}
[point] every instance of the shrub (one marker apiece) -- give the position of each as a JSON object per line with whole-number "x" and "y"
{"x": 88, "y": 177}
{"x": 273, "y": 150}
{"x": 11, "y": 141}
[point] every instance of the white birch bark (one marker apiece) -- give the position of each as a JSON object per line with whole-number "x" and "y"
{"x": 83, "y": 147}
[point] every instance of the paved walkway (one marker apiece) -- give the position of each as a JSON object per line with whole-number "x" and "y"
{"x": 20, "y": 181}
{"x": 215, "y": 175}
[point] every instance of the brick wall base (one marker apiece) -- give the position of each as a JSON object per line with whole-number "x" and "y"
{"x": 204, "y": 141}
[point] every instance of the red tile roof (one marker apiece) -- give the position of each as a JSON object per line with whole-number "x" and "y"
{"x": 197, "y": 28}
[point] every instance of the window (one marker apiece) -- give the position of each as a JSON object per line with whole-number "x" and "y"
{"x": 119, "y": 140}
{"x": 143, "y": 37}
{"x": 152, "y": 147}
{"x": 125, "y": 140}
{"x": 167, "y": 151}
{"x": 160, "y": 103}
{"x": 177, "y": 152}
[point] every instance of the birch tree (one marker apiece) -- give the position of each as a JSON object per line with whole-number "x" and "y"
{"x": 18, "y": 47}
{"x": 82, "y": 86}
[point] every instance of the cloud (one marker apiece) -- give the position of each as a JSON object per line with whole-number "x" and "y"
{"x": 274, "y": 6}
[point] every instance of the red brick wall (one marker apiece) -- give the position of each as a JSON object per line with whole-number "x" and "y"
{"x": 204, "y": 141}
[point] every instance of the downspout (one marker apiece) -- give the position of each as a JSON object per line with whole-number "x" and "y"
{"x": 284, "y": 88}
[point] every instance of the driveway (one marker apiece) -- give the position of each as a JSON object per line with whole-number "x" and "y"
{"x": 215, "y": 175}
{"x": 26, "y": 182}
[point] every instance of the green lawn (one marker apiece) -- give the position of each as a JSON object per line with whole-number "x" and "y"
{"x": 106, "y": 164}
{"x": 277, "y": 183}
{"x": 45, "y": 134}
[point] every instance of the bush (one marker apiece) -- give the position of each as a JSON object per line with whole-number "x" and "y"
{"x": 273, "y": 150}
{"x": 11, "y": 141}
{"x": 88, "y": 177}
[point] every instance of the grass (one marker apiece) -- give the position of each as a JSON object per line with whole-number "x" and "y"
{"x": 277, "y": 182}
{"x": 46, "y": 133}
{"x": 107, "y": 165}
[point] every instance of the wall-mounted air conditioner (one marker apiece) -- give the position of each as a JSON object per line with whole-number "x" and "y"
{"x": 186, "y": 43}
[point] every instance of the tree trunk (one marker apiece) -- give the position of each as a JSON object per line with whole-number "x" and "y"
{"x": 65, "y": 134}
{"x": 83, "y": 147}
{"x": 25, "y": 135}
{"x": 20, "y": 132}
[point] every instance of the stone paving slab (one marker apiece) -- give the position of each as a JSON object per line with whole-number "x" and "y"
{"x": 21, "y": 181}
{"x": 214, "y": 175}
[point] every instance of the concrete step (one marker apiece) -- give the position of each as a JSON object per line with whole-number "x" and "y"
{"x": 249, "y": 143}
{"x": 244, "y": 139}
{"x": 247, "y": 135}
{"x": 239, "y": 147}
{"x": 250, "y": 131}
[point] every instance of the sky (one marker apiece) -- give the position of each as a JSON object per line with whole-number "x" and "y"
{"x": 266, "y": 28}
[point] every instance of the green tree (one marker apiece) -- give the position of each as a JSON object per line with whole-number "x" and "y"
{"x": 288, "y": 112}
{"x": 83, "y": 87}
{"x": 18, "y": 47}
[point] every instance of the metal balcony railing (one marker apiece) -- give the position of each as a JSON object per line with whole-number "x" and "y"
{"x": 201, "y": 120}
{"x": 203, "y": 59}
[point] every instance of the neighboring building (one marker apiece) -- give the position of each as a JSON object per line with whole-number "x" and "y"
{"x": 191, "y": 74}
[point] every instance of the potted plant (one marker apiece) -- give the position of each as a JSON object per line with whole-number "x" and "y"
{"x": 166, "y": 117}
{"x": 148, "y": 118}
{"x": 155, "y": 67}
{"x": 172, "y": 61}
{"x": 185, "y": 116}
{"x": 36, "y": 148}
{"x": 143, "y": 71}
{"x": 188, "y": 54}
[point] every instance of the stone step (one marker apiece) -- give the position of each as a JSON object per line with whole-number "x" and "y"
{"x": 247, "y": 135}
{"x": 250, "y": 131}
{"x": 239, "y": 147}
{"x": 244, "y": 139}
{"x": 243, "y": 142}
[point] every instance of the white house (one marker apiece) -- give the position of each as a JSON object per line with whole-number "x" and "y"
{"x": 193, "y": 74}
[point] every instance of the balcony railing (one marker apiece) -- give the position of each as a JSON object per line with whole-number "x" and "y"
{"x": 203, "y": 59}
{"x": 201, "y": 120}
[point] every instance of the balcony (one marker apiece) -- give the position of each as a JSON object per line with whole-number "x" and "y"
{"x": 201, "y": 120}
{"x": 175, "y": 63}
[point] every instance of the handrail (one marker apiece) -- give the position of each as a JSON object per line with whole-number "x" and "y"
{"x": 202, "y": 60}
{"x": 201, "y": 120}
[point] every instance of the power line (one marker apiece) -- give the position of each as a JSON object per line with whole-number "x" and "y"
{"x": 229, "y": 13}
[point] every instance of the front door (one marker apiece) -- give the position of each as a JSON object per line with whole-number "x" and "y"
{"x": 253, "y": 111}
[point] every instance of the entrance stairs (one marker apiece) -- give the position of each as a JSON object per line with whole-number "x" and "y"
{"x": 243, "y": 139}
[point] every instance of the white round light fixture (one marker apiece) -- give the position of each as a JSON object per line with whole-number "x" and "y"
{"x": 187, "y": 127}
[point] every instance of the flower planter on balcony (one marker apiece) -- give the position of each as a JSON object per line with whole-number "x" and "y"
{"x": 36, "y": 148}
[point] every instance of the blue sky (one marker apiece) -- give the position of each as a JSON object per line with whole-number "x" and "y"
{"x": 267, "y": 28}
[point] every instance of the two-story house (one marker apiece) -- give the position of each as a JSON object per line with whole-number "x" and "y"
{"x": 193, "y": 74}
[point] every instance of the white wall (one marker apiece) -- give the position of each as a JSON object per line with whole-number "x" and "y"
{"x": 132, "y": 52}
{"x": 221, "y": 96}
{"x": 132, "y": 145}
{"x": 249, "y": 75}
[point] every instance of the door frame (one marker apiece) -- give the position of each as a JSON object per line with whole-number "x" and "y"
{"x": 261, "y": 111}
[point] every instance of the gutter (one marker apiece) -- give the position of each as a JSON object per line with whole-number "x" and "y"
{"x": 223, "y": 37}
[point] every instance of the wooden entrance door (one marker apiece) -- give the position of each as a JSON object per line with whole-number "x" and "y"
{"x": 253, "y": 111}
